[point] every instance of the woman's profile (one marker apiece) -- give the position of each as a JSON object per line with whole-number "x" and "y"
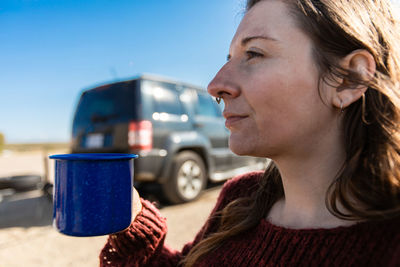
{"x": 315, "y": 87}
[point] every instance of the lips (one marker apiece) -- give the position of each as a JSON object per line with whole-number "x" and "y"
{"x": 233, "y": 119}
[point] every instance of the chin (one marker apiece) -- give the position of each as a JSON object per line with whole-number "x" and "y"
{"x": 241, "y": 148}
{"x": 250, "y": 148}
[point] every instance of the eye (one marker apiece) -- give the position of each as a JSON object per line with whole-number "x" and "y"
{"x": 250, "y": 54}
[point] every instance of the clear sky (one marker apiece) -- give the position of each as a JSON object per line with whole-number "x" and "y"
{"x": 52, "y": 50}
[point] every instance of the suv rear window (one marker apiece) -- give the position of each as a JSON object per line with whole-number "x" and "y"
{"x": 114, "y": 102}
{"x": 165, "y": 97}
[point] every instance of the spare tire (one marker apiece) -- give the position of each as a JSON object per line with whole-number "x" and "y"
{"x": 21, "y": 183}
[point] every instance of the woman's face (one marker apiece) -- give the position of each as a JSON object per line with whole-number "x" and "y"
{"x": 270, "y": 87}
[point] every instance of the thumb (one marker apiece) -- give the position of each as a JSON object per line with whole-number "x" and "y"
{"x": 136, "y": 204}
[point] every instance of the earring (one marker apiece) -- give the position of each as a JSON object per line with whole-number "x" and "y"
{"x": 341, "y": 106}
{"x": 218, "y": 99}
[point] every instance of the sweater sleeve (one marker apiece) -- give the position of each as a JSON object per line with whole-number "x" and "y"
{"x": 142, "y": 243}
{"x": 142, "y": 240}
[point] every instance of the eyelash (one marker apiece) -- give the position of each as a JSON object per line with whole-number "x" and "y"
{"x": 249, "y": 54}
{"x": 252, "y": 54}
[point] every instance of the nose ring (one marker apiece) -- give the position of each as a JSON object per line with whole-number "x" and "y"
{"x": 218, "y": 99}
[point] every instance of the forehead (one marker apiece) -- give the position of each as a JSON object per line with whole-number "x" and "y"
{"x": 270, "y": 18}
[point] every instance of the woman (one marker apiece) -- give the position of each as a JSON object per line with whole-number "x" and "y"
{"x": 313, "y": 85}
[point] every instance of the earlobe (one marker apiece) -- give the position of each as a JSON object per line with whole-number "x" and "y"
{"x": 362, "y": 63}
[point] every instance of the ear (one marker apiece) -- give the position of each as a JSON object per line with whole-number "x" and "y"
{"x": 359, "y": 61}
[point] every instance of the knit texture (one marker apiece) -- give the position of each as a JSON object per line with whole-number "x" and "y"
{"x": 362, "y": 244}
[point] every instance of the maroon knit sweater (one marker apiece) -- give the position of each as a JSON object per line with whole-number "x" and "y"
{"x": 362, "y": 244}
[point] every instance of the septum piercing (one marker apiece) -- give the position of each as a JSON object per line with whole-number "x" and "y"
{"x": 219, "y": 97}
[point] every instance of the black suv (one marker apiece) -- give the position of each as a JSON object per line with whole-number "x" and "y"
{"x": 176, "y": 129}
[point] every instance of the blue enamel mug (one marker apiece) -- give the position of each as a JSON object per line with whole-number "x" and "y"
{"x": 92, "y": 193}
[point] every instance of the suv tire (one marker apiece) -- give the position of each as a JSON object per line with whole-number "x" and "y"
{"x": 21, "y": 183}
{"x": 187, "y": 179}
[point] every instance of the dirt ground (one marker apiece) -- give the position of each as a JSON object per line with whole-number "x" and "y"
{"x": 28, "y": 239}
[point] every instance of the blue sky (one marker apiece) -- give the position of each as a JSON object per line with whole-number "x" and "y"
{"x": 52, "y": 50}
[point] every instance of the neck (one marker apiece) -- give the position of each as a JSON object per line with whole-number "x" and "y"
{"x": 306, "y": 180}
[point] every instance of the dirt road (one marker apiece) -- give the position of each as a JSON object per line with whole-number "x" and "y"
{"x": 43, "y": 246}
{"x": 28, "y": 239}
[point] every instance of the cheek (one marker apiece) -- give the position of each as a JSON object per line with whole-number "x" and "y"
{"x": 296, "y": 88}
{"x": 278, "y": 94}
{"x": 285, "y": 100}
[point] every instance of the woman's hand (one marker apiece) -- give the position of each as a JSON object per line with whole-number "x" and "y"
{"x": 136, "y": 204}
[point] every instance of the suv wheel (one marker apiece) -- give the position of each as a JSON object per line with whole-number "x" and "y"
{"x": 187, "y": 179}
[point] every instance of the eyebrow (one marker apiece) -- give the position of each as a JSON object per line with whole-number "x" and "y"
{"x": 250, "y": 38}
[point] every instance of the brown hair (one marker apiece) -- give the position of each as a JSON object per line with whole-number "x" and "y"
{"x": 371, "y": 172}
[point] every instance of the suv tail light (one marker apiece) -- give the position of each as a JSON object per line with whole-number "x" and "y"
{"x": 140, "y": 135}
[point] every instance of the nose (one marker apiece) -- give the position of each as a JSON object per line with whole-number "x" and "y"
{"x": 224, "y": 84}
